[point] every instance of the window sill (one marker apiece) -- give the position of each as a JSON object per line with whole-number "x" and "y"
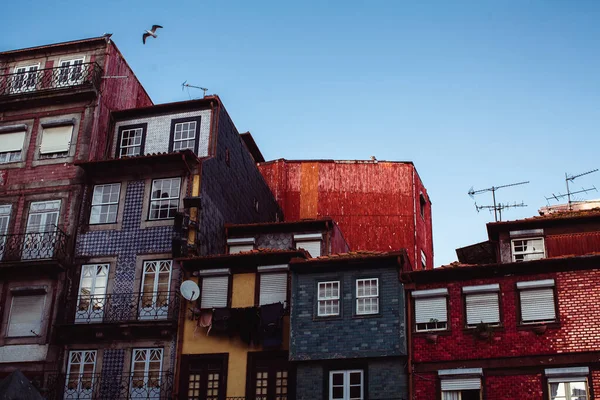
{"x": 535, "y": 326}
{"x": 366, "y": 316}
{"x": 492, "y": 328}
{"x": 151, "y": 223}
{"x": 48, "y": 161}
{"x": 12, "y": 164}
{"x": 445, "y": 332}
{"x": 113, "y": 226}
{"x": 327, "y": 318}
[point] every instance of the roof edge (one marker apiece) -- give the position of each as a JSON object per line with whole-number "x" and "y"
{"x": 60, "y": 44}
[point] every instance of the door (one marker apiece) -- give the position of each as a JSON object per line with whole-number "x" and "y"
{"x": 269, "y": 376}
{"x": 203, "y": 377}
{"x": 25, "y": 79}
{"x": 80, "y": 375}
{"x": 146, "y": 368}
{"x": 154, "y": 296}
{"x": 40, "y": 237}
{"x": 4, "y": 220}
{"x": 91, "y": 301}
{"x": 71, "y": 72}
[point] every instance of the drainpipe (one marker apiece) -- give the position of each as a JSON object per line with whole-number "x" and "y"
{"x": 408, "y": 287}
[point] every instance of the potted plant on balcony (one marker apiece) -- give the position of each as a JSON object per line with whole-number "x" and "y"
{"x": 483, "y": 330}
{"x": 540, "y": 328}
{"x": 432, "y": 336}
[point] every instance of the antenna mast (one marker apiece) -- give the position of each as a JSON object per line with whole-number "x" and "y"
{"x": 187, "y": 85}
{"x": 496, "y": 207}
{"x": 571, "y": 178}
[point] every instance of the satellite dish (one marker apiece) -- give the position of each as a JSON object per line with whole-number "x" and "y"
{"x": 189, "y": 290}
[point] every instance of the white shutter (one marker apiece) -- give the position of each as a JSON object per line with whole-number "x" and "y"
{"x": 273, "y": 288}
{"x": 313, "y": 247}
{"x": 430, "y": 308}
{"x": 483, "y": 307}
{"x": 461, "y": 384}
{"x": 214, "y": 291}
{"x": 26, "y": 315}
{"x": 11, "y": 141}
{"x": 234, "y": 249}
{"x": 56, "y": 139}
{"x": 537, "y": 305}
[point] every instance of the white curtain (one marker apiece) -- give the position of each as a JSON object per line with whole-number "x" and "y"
{"x": 450, "y": 395}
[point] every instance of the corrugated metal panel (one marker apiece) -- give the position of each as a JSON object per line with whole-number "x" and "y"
{"x": 461, "y": 384}
{"x": 482, "y": 307}
{"x": 575, "y": 244}
{"x": 430, "y": 308}
{"x": 537, "y": 305}
{"x": 273, "y": 288}
{"x": 313, "y": 247}
{"x": 214, "y": 291}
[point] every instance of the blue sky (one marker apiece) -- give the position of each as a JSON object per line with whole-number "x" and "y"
{"x": 475, "y": 93}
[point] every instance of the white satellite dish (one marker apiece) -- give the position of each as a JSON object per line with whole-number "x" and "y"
{"x": 189, "y": 290}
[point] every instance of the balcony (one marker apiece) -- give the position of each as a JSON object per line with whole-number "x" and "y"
{"x": 49, "y": 248}
{"x": 149, "y": 385}
{"x": 36, "y": 83}
{"x": 119, "y": 315}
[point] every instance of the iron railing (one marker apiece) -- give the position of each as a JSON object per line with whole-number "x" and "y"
{"x": 32, "y": 79}
{"x": 150, "y": 385}
{"x": 122, "y": 307}
{"x": 33, "y": 246}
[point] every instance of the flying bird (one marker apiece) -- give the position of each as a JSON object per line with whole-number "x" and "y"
{"x": 151, "y": 32}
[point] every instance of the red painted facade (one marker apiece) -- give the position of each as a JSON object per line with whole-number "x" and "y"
{"x": 375, "y": 203}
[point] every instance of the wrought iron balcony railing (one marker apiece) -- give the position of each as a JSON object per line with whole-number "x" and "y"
{"x": 34, "y": 246}
{"x": 32, "y": 79}
{"x": 143, "y": 385}
{"x": 122, "y": 307}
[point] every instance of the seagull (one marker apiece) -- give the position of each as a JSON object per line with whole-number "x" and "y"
{"x": 151, "y": 32}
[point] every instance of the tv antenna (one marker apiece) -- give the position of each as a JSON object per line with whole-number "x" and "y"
{"x": 496, "y": 207}
{"x": 188, "y": 86}
{"x": 568, "y": 179}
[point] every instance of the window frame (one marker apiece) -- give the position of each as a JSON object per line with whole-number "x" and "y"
{"x": 520, "y": 322}
{"x": 567, "y": 381}
{"x": 198, "y": 364}
{"x": 25, "y": 73}
{"x": 42, "y": 323}
{"x": 329, "y": 298}
{"x": 567, "y": 375}
{"x": 366, "y": 297}
{"x": 117, "y": 203}
{"x": 151, "y": 200}
{"x": 346, "y": 382}
{"x": 56, "y": 154}
{"x": 272, "y": 270}
{"x": 270, "y": 361}
{"x": 174, "y": 122}
{"x": 479, "y": 290}
{"x": 441, "y": 293}
{"x": 512, "y": 248}
{"x": 215, "y": 274}
{"x": 121, "y": 129}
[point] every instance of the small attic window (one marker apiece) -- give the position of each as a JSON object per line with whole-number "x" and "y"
{"x": 423, "y": 204}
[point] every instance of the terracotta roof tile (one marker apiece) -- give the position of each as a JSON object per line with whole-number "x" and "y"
{"x": 595, "y": 212}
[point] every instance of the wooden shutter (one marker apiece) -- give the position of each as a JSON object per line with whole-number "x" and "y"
{"x": 214, "y": 291}
{"x": 238, "y": 248}
{"x": 26, "y": 315}
{"x": 537, "y": 305}
{"x": 11, "y": 141}
{"x": 56, "y": 139}
{"x": 313, "y": 247}
{"x": 461, "y": 384}
{"x": 430, "y": 308}
{"x": 483, "y": 307}
{"x": 273, "y": 288}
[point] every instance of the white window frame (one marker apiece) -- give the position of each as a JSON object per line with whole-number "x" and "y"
{"x": 70, "y": 69}
{"x": 154, "y": 304}
{"x": 28, "y": 70}
{"x": 346, "y": 384}
{"x": 194, "y": 139}
{"x": 163, "y": 199}
{"x": 475, "y": 294}
{"x": 11, "y": 151}
{"x": 372, "y": 299}
{"x": 5, "y": 212}
{"x": 110, "y": 205}
{"x": 206, "y": 275}
{"x": 94, "y": 310}
{"x": 538, "y": 254}
{"x": 148, "y": 378}
{"x": 40, "y": 327}
{"x": 54, "y": 152}
{"x": 567, "y": 376}
{"x": 134, "y": 146}
{"x": 83, "y": 378}
{"x": 328, "y": 300}
{"x": 423, "y": 260}
{"x": 239, "y": 245}
{"x": 434, "y": 324}
{"x": 541, "y": 290}
{"x": 278, "y": 273}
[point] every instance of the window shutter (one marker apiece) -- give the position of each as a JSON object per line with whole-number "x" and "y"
{"x": 214, "y": 291}
{"x": 273, "y": 288}
{"x": 234, "y": 249}
{"x": 11, "y": 141}
{"x": 26, "y": 315}
{"x": 56, "y": 139}
{"x": 537, "y": 305}
{"x": 461, "y": 384}
{"x": 483, "y": 307}
{"x": 313, "y": 247}
{"x": 430, "y": 308}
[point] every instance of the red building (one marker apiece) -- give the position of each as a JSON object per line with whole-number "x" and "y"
{"x": 520, "y": 322}
{"x": 55, "y": 102}
{"x": 379, "y": 205}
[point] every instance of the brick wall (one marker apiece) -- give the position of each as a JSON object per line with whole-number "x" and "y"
{"x": 522, "y": 387}
{"x": 309, "y": 381}
{"x": 387, "y": 379}
{"x": 314, "y": 338}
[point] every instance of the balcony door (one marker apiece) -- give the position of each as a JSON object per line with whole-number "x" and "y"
{"x": 203, "y": 377}
{"x": 40, "y": 237}
{"x": 146, "y": 369}
{"x": 70, "y": 72}
{"x": 4, "y": 219}
{"x": 269, "y": 376}
{"x": 80, "y": 374}
{"x": 156, "y": 282}
{"x": 25, "y": 79}
{"x": 91, "y": 301}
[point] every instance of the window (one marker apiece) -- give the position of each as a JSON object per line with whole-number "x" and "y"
{"x": 328, "y": 299}
{"x": 367, "y": 296}
{"x": 146, "y": 374}
{"x": 105, "y": 203}
{"x": 239, "y": 245}
{"x": 482, "y": 304}
{"x": 26, "y": 315}
{"x": 131, "y": 140}
{"x": 215, "y": 289}
{"x": 25, "y": 78}
{"x": 11, "y": 146}
{"x": 346, "y": 385}
{"x": 528, "y": 249}
{"x": 40, "y": 240}
{"x": 156, "y": 283}
{"x": 164, "y": 198}
{"x": 310, "y": 242}
{"x": 269, "y": 376}
{"x": 4, "y": 220}
{"x": 431, "y": 312}
{"x": 273, "y": 285}
{"x": 423, "y": 260}
{"x": 184, "y": 134}
{"x": 70, "y": 72}
{"x": 461, "y": 384}
{"x": 568, "y": 383}
{"x": 80, "y": 374}
{"x": 537, "y": 301}
{"x": 91, "y": 301}
{"x": 422, "y": 204}
{"x": 204, "y": 376}
{"x": 56, "y": 141}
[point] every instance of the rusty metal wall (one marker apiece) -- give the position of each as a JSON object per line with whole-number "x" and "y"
{"x": 572, "y": 244}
